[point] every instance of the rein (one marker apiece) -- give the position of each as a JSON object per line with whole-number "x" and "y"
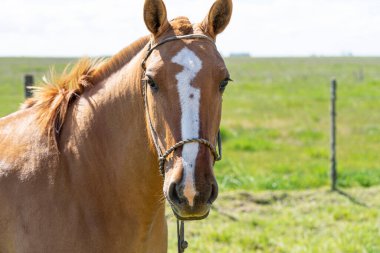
{"x": 162, "y": 156}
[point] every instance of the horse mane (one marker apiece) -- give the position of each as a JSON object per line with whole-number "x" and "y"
{"x": 52, "y": 99}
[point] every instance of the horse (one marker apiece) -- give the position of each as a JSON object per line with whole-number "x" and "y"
{"x": 79, "y": 167}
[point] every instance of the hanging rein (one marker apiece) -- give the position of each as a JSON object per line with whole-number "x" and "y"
{"x": 162, "y": 156}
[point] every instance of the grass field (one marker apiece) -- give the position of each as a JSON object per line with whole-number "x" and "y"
{"x": 276, "y": 123}
{"x": 276, "y": 137}
{"x": 311, "y": 221}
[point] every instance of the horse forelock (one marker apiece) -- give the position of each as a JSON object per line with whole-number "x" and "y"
{"x": 181, "y": 26}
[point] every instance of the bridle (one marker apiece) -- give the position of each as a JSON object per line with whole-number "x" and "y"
{"x": 162, "y": 156}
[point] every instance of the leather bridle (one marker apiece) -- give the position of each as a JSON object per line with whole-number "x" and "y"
{"x": 162, "y": 156}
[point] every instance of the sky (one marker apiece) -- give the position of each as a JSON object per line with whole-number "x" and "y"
{"x": 258, "y": 27}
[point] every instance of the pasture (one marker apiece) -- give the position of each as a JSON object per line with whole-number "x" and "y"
{"x": 275, "y": 130}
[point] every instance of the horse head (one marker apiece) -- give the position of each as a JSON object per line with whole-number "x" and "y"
{"x": 184, "y": 80}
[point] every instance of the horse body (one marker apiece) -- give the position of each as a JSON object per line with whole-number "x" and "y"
{"x": 78, "y": 164}
{"x": 77, "y": 198}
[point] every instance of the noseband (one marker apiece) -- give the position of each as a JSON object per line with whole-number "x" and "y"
{"x": 162, "y": 156}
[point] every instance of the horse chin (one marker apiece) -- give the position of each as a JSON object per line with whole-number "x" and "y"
{"x": 189, "y": 216}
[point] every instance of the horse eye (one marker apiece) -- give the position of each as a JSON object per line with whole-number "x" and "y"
{"x": 151, "y": 83}
{"x": 224, "y": 84}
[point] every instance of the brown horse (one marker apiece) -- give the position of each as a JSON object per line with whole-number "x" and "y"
{"x": 78, "y": 162}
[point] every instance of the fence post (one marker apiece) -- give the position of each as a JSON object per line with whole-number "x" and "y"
{"x": 333, "y": 172}
{"x": 28, "y": 82}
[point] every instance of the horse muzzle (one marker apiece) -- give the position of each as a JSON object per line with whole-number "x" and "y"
{"x": 192, "y": 200}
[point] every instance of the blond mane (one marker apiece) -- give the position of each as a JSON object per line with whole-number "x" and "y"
{"x": 52, "y": 99}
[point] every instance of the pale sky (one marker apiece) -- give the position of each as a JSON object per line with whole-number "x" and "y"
{"x": 258, "y": 27}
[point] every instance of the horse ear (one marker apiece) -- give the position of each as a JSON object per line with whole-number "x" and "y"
{"x": 218, "y": 17}
{"x": 155, "y": 16}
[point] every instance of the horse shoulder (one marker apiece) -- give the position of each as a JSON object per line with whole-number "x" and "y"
{"x": 24, "y": 147}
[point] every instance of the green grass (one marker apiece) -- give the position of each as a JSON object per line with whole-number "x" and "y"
{"x": 276, "y": 123}
{"x": 275, "y": 119}
{"x": 312, "y": 221}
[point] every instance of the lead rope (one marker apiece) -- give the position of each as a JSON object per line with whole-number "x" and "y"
{"x": 182, "y": 244}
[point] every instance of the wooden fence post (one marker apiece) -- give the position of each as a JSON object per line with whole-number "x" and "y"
{"x": 28, "y": 82}
{"x": 333, "y": 172}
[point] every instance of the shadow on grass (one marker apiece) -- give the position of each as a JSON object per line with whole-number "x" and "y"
{"x": 264, "y": 201}
{"x": 351, "y": 198}
{"x": 247, "y": 200}
{"x": 223, "y": 213}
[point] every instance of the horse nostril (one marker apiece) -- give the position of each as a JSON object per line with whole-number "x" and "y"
{"x": 214, "y": 193}
{"x": 173, "y": 194}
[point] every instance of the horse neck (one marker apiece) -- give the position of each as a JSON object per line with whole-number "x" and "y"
{"x": 110, "y": 134}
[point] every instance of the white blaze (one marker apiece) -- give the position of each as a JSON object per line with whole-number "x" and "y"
{"x": 189, "y": 100}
